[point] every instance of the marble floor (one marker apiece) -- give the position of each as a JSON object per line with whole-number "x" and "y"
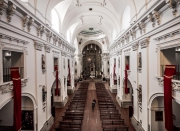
{"x": 91, "y": 121}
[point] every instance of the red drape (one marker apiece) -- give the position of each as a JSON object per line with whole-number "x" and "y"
{"x": 69, "y": 75}
{"x": 57, "y": 89}
{"x": 126, "y": 78}
{"x": 17, "y": 97}
{"x": 168, "y": 74}
{"x": 114, "y": 74}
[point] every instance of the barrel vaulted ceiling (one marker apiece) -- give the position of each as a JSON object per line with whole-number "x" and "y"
{"x": 75, "y": 15}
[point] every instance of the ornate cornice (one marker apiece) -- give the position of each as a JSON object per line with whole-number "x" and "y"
{"x": 170, "y": 34}
{"x": 55, "y": 52}
{"x": 10, "y": 38}
{"x": 38, "y": 45}
{"x": 8, "y": 86}
{"x": 144, "y": 42}
{"x": 47, "y": 48}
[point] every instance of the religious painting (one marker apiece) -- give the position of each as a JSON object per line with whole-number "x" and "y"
{"x": 158, "y": 115}
{"x": 27, "y": 120}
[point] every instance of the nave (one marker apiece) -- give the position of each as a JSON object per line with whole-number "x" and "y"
{"x": 91, "y": 119}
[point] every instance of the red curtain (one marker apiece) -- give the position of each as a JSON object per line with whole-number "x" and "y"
{"x": 17, "y": 97}
{"x": 126, "y": 78}
{"x": 57, "y": 89}
{"x": 168, "y": 74}
{"x": 114, "y": 74}
{"x": 69, "y": 75}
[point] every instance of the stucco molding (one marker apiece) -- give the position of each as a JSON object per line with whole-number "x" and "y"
{"x": 47, "y": 48}
{"x": 175, "y": 84}
{"x": 38, "y": 45}
{"x": 8, "y": 86}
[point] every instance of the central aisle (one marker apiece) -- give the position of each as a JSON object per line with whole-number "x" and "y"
{"x": 91, "y": 120}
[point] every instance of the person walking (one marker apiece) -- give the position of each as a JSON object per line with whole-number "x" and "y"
{"x": 93, "y": 105}
{"x": 94, "y": 102}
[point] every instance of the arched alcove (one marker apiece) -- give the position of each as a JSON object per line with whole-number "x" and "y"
{"x": 92, "y": 63}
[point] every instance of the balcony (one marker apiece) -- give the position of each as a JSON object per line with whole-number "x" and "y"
{"x": 176, "y": 76}
{"x": 7, "y": 74}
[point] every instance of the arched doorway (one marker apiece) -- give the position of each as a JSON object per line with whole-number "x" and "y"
{"x": 157, "y": 114}
{"x": 92, "y": 63}
{"x": 28, "y": 115}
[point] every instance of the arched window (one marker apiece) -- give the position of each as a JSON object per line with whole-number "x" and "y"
{"x": 126, "y": 18}
{"x": 55, "y": 20}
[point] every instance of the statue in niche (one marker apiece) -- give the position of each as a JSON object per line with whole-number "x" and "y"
{"x": 140, "y": 95}
{"x": 43, "y": 63}
{"x": 140, "y": 60}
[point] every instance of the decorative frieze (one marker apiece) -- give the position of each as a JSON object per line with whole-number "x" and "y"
{"x": 10, "y": 11}
{"x": 25, "y": 20}
{"x": 135, "y": 46}
{"x": 141, "y": 26}
{"x": 175, "y": 84}
{"x": 8, "y": 86}
{"x": 152, "y": 19}
{"x": 156, "y": 16}
{"x": 30, "y": 22}
{"x": 47, "y": 48}
{"x": 40, "y": 30}
{"x": 144, "y": 43}
{"x": 38, "y": 45}
{"x": 55, "y": 39}
{"x": 3, "y": 6}
{"x": 133, "y": 33}
{"x": 173, "y": 5}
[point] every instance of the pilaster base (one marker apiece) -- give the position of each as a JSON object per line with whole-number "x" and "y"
{"x": 47, "y": 125}
{"x": 61, "y": 104}
{"x": 123, "y": 104}
{"x": 136, "y": 124}
{"x": 113, "y": 89}
{"x": 70, "y": 90}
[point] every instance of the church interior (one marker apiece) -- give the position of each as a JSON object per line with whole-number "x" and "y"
{"x": 89, "y": 65}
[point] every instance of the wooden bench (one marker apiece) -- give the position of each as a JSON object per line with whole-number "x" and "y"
{"x": 113, "y": 122}
{"x": 75, "y": 110}
{"x": 70, "y": 124}
{"x": 74, "y": 114}
{"x": 115, "y": 128}
{"x": 110, "y": 116}
{"x": 67, "y": 129}
{"x": 72, "y": 118}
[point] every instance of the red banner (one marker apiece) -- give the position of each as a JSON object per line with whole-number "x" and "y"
{"x": 57, "y": 89}
{"x": 126, "y": 78}
{"x": 69, "y": 76}
{"x": 114, "y": 74}
{"x": 168, "y": 74}
{"x": 17, "y": 97}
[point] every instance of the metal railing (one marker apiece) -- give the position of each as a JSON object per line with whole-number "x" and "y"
{"x": 7, "y": 74}
{"x": 177, "y": 74}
